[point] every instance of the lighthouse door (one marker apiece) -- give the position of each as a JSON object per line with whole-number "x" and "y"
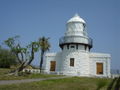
{"x": 99, "y": 68}
{"x": 52, "y": 65}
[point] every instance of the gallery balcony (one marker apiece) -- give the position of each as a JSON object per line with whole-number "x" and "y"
{"x": 75, "y": 40}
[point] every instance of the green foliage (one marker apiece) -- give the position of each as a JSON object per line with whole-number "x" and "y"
{"x": 11, "y": 42}
{"x": 101, "y": 83}
{"x": 44, "y": 46}
{"x": 7, "y": 58}
{"x": 44, "y": 43}
{"x": 33, "y": 45}
{"x": 25, "y": 55}
{"x": 115, "y": 84}
{"x": 4, "y": 71}
{"x": 0, "y": 46}
{"x": 112, "y": 84}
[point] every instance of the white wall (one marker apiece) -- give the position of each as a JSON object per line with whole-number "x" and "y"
{"x": 100, "y": 58}
{"x": 81, "y": 48}
{"x": 84, "y": 64}
{"x": 52, "y": 57}
{"x": 81, "y": 63}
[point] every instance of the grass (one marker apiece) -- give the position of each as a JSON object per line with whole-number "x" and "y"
{"x": 4, "y": 71}
{"x": 101, "y": 83}
{"x": 73, "y": 83}
{"x": 4, "y": 76}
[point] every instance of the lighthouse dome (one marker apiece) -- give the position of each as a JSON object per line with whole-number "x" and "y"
{"x": 76, "y": 18}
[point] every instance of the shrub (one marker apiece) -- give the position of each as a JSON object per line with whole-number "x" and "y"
{"x": 7, "y": 58}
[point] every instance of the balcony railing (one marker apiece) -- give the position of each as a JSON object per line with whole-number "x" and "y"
{"x": 75, "y": 39}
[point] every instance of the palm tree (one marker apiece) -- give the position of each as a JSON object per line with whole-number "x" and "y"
{"x": 44, "y": 46}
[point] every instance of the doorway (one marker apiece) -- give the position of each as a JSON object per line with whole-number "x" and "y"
{"x": 99, "y": 68}
{"x": 52, "y": 65}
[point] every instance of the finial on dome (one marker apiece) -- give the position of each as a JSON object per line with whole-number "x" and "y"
{"x": 76, "y": 15}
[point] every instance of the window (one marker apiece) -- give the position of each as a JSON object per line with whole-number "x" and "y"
{"x": 71, "y": 61}
{"x": 76, "y": 46}
{"x": 67, "y": 46}
{"x": 85, "y": 47}
{"x": 99, "y": 67}
{"x": 72, "y": 46}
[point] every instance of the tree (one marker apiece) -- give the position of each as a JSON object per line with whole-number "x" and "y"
{"x": 44, "y": 46}
{"x": 7, "y": 58}
{"x": 24, "y": 55}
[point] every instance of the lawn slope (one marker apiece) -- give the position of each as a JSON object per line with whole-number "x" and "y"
{"x": 73, "y": 83}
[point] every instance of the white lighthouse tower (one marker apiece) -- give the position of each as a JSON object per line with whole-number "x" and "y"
{"x": 76, "y": 35}
{"x": 75, "y": 58}
{"x": 75, "y": 47}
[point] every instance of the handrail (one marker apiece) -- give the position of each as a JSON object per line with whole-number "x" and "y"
{"x": 75, "y": 39}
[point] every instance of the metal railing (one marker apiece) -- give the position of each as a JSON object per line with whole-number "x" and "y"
{"x": 75, "y": 39}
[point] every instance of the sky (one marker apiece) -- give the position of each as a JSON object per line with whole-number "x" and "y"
{"x": 31, "y": 19}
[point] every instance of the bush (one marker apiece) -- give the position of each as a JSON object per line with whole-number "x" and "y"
{"x": 7, "y": 58}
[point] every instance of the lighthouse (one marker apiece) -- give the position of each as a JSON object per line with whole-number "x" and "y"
{"x": 75, "y": 47}
{"x": 76, "y": 35}
{"x": 75, "y": 58}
